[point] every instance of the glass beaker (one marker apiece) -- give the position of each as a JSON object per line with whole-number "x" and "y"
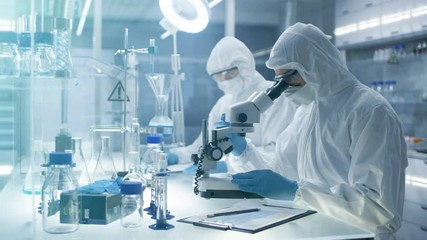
{"x": 105, "y": 168}
{"x": 35, "y": 175}
{"x": 162, "y": 85}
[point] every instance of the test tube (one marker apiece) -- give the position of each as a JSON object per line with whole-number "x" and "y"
{"x": 151, "y": 52}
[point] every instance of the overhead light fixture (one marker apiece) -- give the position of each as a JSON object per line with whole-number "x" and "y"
{"x": 190, "y": 16}
{"x": 396, "y": 17}
{"x": 392, "y": 18}
{"x": 346, "y": 29}
{"x": 368, "y": 24}
{"x": 419, "y": 11}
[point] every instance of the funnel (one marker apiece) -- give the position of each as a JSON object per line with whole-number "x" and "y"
{"x": 162, "y": 85}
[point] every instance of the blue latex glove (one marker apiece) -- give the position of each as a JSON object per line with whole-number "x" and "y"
{"x": 239, "y": 143}
{"x": 267, "y": 184}
{"x": 221, "y": 167}
{"x": 221, "y": 123}
{"x": 172, "y": 158}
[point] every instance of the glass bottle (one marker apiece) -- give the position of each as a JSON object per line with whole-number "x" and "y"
{"x": 134, "y": 173}
{"x": 62, "y": 43}
{"x": 35, "y": 175}
{"x": 44, "y": 56}
{"x": 131, "y": 205}
{"x": 153, "y": 142}
{"x": 59, "y": 200}
{"x": 25, "y": 54}
{"x": 9, "y": 57}
{"x": 105, "y": 168}
{"x": 80, "y": 161}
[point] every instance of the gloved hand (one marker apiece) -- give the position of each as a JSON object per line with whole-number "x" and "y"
{"x": 266, "y": 183}
{"x": 221, "y": 123}
{"x": 172, "y": 158}
{"x": 221, "y": 167}
{"x": 239, "y": 143}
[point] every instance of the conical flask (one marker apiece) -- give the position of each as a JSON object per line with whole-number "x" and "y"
{"x": 95, "y": 150}
{"x": 105, "y": 168}
{"x": 162, "y": 85}
{"x": 35, "y": 176}
{"x": 81, "y": 169}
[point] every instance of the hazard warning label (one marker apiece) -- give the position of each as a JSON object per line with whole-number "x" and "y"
{"x": 118, "y": 94}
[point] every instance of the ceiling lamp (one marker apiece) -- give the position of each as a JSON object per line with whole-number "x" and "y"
{"x": 190, "y": 16}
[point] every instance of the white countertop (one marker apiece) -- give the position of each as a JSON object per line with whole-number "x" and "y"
{"x": 18, "y": 220}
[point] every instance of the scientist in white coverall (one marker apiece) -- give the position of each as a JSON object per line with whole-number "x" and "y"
{"x": 346, "y": 158}
{"x": 232, "y": 65}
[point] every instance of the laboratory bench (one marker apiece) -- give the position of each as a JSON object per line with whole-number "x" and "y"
{"x": 20, "y": 220}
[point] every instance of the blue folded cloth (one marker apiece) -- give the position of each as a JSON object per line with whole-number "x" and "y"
{"x": 102, "y": 186}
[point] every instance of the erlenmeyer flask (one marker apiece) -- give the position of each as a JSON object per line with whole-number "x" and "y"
{"x": 95, "y": 150}
{"x": 35, "y": 175}
{"x": 162, "y": 85}
{"x": 78, "y": 158}
{"x": 105, "y": 168}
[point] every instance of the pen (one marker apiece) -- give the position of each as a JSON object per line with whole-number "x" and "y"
{"x": 232, "y": 212}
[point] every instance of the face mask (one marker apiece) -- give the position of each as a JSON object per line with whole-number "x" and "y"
{"x": 232, "y": 86}
{"x": 300, "y": 94}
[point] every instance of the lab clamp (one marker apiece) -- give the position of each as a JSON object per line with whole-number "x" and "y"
{"x": 243, "y": 115}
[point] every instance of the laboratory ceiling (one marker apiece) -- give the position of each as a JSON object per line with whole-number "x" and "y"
{"x": 247, "y": 11}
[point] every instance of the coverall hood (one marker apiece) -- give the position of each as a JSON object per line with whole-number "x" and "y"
{"x": 305, "y": 48}
{"x": 230, "y": 52}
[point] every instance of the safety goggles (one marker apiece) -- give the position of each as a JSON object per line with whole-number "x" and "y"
{"x": 291, "y": 77}
{"x": 226, "y": 74}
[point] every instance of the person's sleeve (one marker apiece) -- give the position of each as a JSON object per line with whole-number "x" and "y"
{"x": 251, "y": 159}
{"x": 374, "y": 198}
{"x": 184, "y": 153}
{"x": 266, "y": 156}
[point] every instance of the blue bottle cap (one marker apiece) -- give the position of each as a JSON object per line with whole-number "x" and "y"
{"x": 374, "y": 83}
{"x": 153, "y": 139}
{"x": 60, "y": 158}
{"x": 8, "y": 37}
{"x": 131, "y": 187}
{"x": 43, "y": 37}
{"x": 25, "y": 40}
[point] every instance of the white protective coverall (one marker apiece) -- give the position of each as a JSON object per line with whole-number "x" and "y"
{"x": 230, "y": 52}
{"x": 347, "y": 149}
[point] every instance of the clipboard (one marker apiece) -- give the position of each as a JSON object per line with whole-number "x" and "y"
{"x": 249, "y": 222}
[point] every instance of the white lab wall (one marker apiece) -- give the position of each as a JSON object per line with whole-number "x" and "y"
{"x": 349, "y": 12}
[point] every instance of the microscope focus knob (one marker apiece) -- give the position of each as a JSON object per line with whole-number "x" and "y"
{"x": 215, "y": 153}
{"x": 242, "y": 117}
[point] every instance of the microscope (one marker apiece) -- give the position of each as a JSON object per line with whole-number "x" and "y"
{"x": 243, "y": 115}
